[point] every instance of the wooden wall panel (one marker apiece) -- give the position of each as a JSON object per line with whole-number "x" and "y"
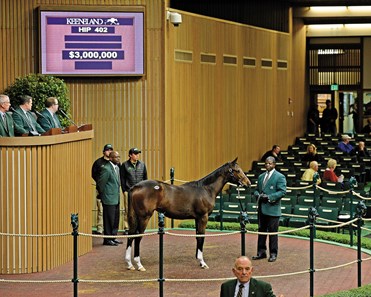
{"x": 216, "y": 112}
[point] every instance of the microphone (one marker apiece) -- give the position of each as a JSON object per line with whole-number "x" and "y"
{"x": 39, "y": 114}
{"x": 66, "y": 116}
{"x": 12, "y": 109}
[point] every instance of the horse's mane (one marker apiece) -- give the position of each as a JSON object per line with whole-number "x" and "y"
{"x": 210, "y": 178}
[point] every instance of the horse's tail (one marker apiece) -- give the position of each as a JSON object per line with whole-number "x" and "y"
{"x": 132, "y": 216}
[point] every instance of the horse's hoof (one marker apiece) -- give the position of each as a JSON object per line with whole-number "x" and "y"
{"x": 131, "y": 267}
{"x": 204, "y": 266}
{"x": 141, "y": 268}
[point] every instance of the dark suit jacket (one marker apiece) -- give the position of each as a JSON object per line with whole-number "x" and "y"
{"x": 22, "y": 124}
{"x": 275, "y": 188}
{"x": 7, "y": 131}
{"x": 46, "y": 121}
{"x": 257, "y": 288}
{"x": 108, "y": 185}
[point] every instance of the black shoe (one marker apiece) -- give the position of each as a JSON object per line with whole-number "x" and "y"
{"x": 117, "y": 241}
{"x": 98, "y": 233}
{"x": 259, "y": 256}
{"x": 272, "y": 258}
{"x": 110, "y": 242}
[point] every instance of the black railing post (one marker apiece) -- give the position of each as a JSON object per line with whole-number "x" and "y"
{"x": 172, "y": 173}
{"x": 315, "y": 179}
{"x": 221, "y": 211}
{"x": 352, "y": 183}
{"x": 243, "y": 220}
{"x": 361, "y": 211}
{"x": 312, "y": 215}
{"x": 161, "y": 232}
{"x": 75, "y": 233}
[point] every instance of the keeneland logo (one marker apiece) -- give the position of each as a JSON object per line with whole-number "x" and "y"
{"x": 112, "y": 21}
{"x": 91, "y": 21}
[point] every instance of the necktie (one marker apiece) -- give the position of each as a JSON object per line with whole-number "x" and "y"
{"x": 5, "y": 124}
{"x": 30, "y": 122}
{"x": 117, "y": 170}
{"x": 239, "y": 293}
{"x": 265, "y": 179}
{"x": 55, "y": 121}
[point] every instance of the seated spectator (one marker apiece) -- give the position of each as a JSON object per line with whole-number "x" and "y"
{"x": 344, "y": 144}
{"x": 360, "y": 150}
{"x": 274, "y": 152}
{"x": 311, "y": 154}
{"x": 367, "y": 129}
{"x": 309, "y": 173}
{"x": 329, "y": 174}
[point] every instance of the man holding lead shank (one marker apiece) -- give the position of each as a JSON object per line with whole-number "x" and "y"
{"x": 271, "y": 188}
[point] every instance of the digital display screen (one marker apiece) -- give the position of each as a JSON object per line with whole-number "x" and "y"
{"x": 91, "y": 43}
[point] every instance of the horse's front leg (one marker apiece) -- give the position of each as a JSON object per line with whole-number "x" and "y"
{"x": 128, "y": 254}
{"x": 200, "y": 229}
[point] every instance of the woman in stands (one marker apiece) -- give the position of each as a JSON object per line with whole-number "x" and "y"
{"x": 329, "y": 174}
{"x": 311, "y": 154}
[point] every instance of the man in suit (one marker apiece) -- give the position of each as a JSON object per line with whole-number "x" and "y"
{"x": 245, "y": 285}
{"x": 271, "y": 188}
{"x": 109, "y": 190}
{"x": 48, "y": 118}
{"x": 95, "y": 174}
{"x": 6, "y": 120}
{"x": 25, "y": 122}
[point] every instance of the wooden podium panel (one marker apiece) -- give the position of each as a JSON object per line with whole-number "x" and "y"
{"x": 43, "y": 180}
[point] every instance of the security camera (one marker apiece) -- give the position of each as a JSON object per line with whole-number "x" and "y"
{"x": 175, "y": 18}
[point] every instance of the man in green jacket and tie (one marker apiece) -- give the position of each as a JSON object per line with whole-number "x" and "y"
{"x": 109, "y": 189}
{"x": 25, "y": 122}
{"x": 6, "y": 120}
{"x": 48, "y": 117}
{"x": 271, "y": 188}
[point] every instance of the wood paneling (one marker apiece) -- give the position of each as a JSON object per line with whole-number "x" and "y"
{"x": 215, "y": 112}
{"x": 42, "y": 185}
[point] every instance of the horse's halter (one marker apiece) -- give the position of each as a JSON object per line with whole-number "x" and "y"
{"x": 232, "y": 174}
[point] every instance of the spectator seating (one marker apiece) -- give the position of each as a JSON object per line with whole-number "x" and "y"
{"x": 252, "y": 211}
{"x": 329, "y": 214}
{"x": 231, "y": 211}
{"x": 285, "y": 209}
{"x": 215, "y": 215}
{"x": 293, "y": 167}
{"x": 299, "y": 210}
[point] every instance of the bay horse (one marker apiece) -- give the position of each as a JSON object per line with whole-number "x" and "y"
{"x": 192, "y": 200}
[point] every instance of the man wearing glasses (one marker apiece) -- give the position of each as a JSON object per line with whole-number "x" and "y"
{"x": 48, "y": 117}
{"x": 6, "y": 121}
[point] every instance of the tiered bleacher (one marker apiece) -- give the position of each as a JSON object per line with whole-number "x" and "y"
{"x": 332, "y": 200}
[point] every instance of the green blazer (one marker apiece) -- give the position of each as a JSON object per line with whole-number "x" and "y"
{"x": 275, "y": 188}
{"x": 47, "y": 122}
{"x": 257, "y": 288}
{"x": 23, "y": 125}
{"x": 109, "y": 185}
{"x": 7, "y": 131}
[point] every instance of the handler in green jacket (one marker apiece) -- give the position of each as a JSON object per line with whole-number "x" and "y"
{"x": 271, "y": 188}
{"x": 109, "y": 190}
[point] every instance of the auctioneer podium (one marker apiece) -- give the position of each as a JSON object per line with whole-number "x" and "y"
{"x": 43, "y": 180}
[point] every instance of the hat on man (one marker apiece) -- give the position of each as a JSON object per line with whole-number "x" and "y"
{"x": 135, "y": 151}
{"x": 107, "y": 147}
{"x": 345, "y": 136}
